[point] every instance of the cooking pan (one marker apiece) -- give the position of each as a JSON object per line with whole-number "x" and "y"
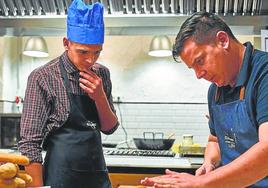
{"x": 156, "y": 141}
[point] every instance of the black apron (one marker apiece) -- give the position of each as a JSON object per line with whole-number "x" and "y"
{"x": 74, "y": 155}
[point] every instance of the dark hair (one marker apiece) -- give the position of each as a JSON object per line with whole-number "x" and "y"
{"x": 202, "y": 27}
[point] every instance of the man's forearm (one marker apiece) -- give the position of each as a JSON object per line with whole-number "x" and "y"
{"x": 212, "y": 153}
{"x": 246, "y": 169}
{"x": 243, "y": 171}
{"x": 35, "y": 170}
{"x": 107, "y": 117}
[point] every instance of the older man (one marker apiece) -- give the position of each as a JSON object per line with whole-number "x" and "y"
{"x": 237, "y": 151}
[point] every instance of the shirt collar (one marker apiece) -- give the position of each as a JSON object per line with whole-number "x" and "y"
{"x": 69, "y": 66}
{"x": 245, "y": 69}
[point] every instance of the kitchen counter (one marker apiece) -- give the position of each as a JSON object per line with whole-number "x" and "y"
{"x": 129, "y": 170}
{"x": 151, "y": 165}
{"x": 133, "y": 158}
{"x": 153, "y": 162}
{"x": 176, "y": 162}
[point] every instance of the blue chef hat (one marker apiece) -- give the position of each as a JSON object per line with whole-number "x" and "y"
{"x": 85, "y": 23}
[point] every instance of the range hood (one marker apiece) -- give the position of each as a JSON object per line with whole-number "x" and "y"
{"x": 48, "y": 17}
{"x": 114, "y": 7}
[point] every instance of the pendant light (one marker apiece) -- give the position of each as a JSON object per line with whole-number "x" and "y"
{"x": 160, "y": 46}
{"x": 35, "y": 46}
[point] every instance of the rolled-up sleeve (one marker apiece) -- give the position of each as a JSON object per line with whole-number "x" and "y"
{"x": 107, "y": 84}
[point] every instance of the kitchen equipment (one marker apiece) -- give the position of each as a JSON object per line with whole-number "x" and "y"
{"x": 116, "y": 7}
{"x": 187, "y": 140}
{"x": 9, "y": 130}
{"x": 155, "y": 142}
{"x": 137, "y": 152}
{"x": 114, "y": 145}
{"x": 188, "y": 148}
{"x": 147, "y": 6}
{"x": 138, "y": 6}
{"x": 170, "y": 136}
{"x": 194, "y": 150}
{"x": 109, "y": 145}
{"x": 129, "y": 8}
{"x": 174, "y": 5}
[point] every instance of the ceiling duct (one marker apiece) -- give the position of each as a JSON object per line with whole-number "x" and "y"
{"x": 114, "y": 7}
{"x": 130, "y": 17}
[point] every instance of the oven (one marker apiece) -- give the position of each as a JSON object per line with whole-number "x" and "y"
{"x": 9, "y": 130}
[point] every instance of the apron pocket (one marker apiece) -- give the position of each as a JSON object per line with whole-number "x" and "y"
{"x": 83, "y": 158}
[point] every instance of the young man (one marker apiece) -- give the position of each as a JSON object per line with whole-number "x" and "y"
{"x": 67, "y": 103}
{"x": 237, "y": 151}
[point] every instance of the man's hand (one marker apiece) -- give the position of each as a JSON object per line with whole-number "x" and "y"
{"x": 10, "y": 174}
{"x": 205, "y": 168}
{"x": 174, "y": 180}
{"x": 91, "y": 83}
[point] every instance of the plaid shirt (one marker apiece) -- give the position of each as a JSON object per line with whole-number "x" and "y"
{"x": 46, "y": 106}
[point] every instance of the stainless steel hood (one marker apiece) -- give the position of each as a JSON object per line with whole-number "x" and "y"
{"x": 129, "y": 17}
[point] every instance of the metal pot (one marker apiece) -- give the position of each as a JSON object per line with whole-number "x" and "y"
{"x": 154, "y": 142}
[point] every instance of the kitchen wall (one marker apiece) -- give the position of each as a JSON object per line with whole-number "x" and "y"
{"x": 1, "y": 70}
{"x": 10, "y": 62}
{"x": 154, "y": 93}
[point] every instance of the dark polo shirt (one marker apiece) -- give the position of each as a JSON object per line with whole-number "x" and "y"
{"x": 254, "y": 76}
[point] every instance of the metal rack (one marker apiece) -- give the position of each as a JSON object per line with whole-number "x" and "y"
{"x": 119, "y": 7}
{"x": 136, "y": 152}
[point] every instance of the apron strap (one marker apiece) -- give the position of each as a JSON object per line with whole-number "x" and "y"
{"x": 242, "y": 93}
{"x": 65, "y": 78}
{"x": 242, "y": 90}
{"x": 217, "y": 94}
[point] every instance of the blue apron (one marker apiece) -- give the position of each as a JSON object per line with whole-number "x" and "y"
{"x": 74, "y": 155}
{"x": 234, "y": 130}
